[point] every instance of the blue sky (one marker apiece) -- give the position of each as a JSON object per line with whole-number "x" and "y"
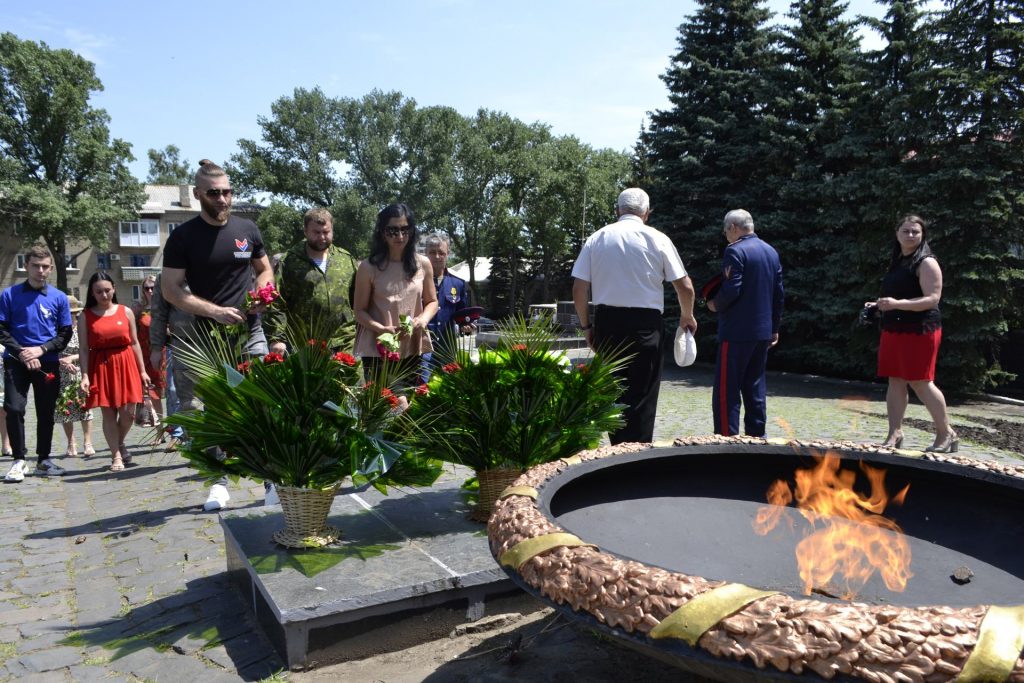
{"x": 198, "y": 74}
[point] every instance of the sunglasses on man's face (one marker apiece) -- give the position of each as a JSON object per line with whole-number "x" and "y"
{"x": 395, "y": 232}
{"x": 213, "y": 194}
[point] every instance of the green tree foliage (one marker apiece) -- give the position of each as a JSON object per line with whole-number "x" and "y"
{"x": 167, "y": 168}
{"x": 967, "y": 178}
{"x": 823, "y": 82}
{"x": 62, "y": 179}
{"x": 836, "y": 144}
{"x": 496, "y": 186}
{"x": 281, "y": 227}
{"x": 352, "y": 156}
{"x": 721, "y": 145}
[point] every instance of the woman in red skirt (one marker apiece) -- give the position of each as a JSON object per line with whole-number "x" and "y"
{"x": 113, "y": 375}
{"x": 911, "y": 333}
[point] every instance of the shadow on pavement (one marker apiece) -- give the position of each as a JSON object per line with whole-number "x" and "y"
{"x": 207, "y": 620}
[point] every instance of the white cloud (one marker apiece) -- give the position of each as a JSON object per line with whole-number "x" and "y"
{"x": 89, "y": 45}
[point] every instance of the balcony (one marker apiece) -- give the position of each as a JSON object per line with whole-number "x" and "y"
{"x": 138, "y": 273}
{"x": 139, "y": 240}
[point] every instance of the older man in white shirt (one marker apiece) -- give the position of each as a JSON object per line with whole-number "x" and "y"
{"x": 624, "y": 266}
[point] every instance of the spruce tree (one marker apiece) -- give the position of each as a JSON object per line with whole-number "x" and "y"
{"x": 719, "y": 145}
{"x": 967, "y": 178}
{"x": 813, "y": 227}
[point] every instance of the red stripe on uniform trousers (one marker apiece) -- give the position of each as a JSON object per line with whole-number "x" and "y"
{"x": 723, "y": 392}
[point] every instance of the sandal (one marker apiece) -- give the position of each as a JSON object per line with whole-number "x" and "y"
{"x": 88, "y": 450}
{"x": 126, "y": 454}
{"x": 72, "y": 451}
{"x": 116, "y": 464}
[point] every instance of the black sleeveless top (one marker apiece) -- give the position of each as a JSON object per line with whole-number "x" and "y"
{"x": 902, "y": 282}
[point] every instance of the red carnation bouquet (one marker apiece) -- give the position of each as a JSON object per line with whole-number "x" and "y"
{"x": 262, "y": 296}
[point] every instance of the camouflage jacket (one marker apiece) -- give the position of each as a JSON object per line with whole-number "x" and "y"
{"x": 313, "y": 300}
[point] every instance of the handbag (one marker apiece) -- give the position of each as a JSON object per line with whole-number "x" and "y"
{"x": 145, "y": 414}
{"x": 869, "y": 316}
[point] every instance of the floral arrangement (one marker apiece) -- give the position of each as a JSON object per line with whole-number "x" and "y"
{"x": 71, "y": 398}
{"x": 519, "y": 404}
{"x": 265, "y": 295}
{"x": 302, "y": 420}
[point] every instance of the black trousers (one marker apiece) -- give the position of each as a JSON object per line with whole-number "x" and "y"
{"x": 17, "y": 380}
{"x": 636, "y": 331}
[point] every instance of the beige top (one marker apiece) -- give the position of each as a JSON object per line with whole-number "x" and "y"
{"x": 392, "y": 295}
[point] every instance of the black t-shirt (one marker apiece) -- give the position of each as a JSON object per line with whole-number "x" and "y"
{"x": 216, "y": 259}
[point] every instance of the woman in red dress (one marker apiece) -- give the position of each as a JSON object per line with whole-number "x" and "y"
{"x": 911, "y": 333}
{"x": 152, "y": 399}
{"x": 113, "y": 374}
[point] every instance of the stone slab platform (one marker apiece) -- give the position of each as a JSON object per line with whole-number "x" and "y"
{"x": 410, "y": 567}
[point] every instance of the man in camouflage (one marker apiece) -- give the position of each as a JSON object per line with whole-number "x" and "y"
{"x": 313, "y": 278}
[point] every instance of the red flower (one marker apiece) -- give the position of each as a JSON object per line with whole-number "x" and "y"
{"x": 387, "y": 355}
{"x": 519, "y": 347}
{"x": 450, "y": 368}
{"x": 583, "y": 367}
{"x": 317, "y": 342}
{"x": 50, "y": 377}
{"x": 264, "y": 295}
{"x": 422, "y": 390}
{"x": 390, "y": 396}
{"x": 244, "y": 366}
{"x": 344, "y": 358}
{"x": 272, "y": 358}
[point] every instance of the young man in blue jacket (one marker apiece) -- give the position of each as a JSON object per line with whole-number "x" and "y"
{"x": 749, "y": 307}
{"x": 35, "y": 326}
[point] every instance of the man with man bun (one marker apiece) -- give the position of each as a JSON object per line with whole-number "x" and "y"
{"x": 217, "y": 254}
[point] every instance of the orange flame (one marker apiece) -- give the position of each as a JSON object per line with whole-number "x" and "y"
{"x": 848, "y": 535}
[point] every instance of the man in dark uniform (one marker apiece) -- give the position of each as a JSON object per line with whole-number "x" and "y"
{"x": 452, "y": 296}
{"x": 749, "y": 307}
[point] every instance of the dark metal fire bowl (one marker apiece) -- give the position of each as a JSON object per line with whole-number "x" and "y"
{"x": 655, "y": 547}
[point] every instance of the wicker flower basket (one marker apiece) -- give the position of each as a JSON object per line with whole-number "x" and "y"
{"x": 492, "y": 483}
{"x": 305, "y": 517}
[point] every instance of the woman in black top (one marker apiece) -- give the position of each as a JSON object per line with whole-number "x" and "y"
{"x": 911, "y": 334}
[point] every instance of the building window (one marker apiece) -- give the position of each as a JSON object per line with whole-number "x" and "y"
{"x": 171, "y": 227}
{"x": 102, "y": 261}
{"x": 140, "y": 233}
{"x": 136, "y": 293}
{"x": 21, "y": 262}
{"x": 76, "y": 292}
{"x": 140, "y": 260}
{"x": 71, "y": 262}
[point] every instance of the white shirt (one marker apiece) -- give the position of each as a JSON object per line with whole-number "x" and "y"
{"x": 626, "y": 264}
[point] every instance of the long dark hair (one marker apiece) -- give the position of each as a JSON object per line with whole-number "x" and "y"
{"x": 90, "y": 300}
{"x": 379, "y": 246}
{"x": 922, "y": 252}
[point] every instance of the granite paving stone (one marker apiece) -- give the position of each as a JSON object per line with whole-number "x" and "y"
{"x": 52, "y": 658}
{"x": 45, "y": 677}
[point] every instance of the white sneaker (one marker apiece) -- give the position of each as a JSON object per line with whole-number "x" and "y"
{"x": 271, "y": 496}
{"x": 218, "y": 498}
{"x": 17, "y": 471}
{"x": 48, "y": 468}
